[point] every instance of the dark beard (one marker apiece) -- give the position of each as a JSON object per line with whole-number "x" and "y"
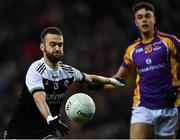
{"x": 53, "y": 58}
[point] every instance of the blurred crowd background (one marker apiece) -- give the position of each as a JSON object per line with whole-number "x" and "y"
{"x": 96, "y": 34}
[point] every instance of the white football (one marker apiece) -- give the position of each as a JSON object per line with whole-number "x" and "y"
{"x": 80, "y": 108}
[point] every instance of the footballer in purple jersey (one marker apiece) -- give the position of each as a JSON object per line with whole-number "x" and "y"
{"x": 155, "y": 62}
{"x": 155, "y": 57}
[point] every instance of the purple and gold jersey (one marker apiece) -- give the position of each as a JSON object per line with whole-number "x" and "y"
{"x": 156, "y": 64}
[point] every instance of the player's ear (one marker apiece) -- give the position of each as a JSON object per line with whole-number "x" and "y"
{"x": 154, "y": 19}
{"x": 135, "y": 23}
{"x": 42, "y": 47}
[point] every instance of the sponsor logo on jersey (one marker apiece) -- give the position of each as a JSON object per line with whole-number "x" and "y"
{"x": 54, "y": 98}
{"x": 152, "y": 67}
{"x": 157, "y": 43}
{"x": 156, "y": 46}
{"x": 47, "y": 83}
{"x": 148, "y": 61}
{"x": 139, "y": 50}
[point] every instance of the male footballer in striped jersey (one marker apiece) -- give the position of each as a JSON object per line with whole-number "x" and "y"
{"x": 155, "y": 57}
{"x": 37, "y": 112}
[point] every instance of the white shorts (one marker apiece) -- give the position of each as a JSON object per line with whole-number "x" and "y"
{"x": 165, "y": 121}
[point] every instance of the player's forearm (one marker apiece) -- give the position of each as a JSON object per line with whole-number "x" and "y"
{"x": 97, "y": 79}
{"x": 42, "y": 105}
{"x": 109, "y": 86}
{"x": 100, "y": 79}
{"x": 104, "y": 80}
{"x": 43, "y": 108}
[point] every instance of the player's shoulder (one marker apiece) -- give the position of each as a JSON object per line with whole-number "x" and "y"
{"x": 164, "y": 34}
{"x": 134, "y": 44}
{"x": 38, "y": 66}
{"x": 168, "y": 36}
{"x": 65, "y": 66}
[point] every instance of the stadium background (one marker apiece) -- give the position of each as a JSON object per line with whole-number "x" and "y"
{"x": 96, "y": 34}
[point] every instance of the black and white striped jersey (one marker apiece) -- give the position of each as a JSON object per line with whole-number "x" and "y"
{"x": 54, "y": 82}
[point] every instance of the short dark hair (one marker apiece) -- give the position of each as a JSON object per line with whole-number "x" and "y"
{"x": 142, "y": 5}
{"x": 51, "y": 30}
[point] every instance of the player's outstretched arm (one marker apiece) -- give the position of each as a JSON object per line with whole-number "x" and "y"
{"x": 104, "y": 80}
{"x": 121, "y": 74}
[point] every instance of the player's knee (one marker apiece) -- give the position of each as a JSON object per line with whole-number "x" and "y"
{"x": 141, "y": 131}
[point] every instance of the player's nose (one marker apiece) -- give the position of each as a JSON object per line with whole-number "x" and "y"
{"x": 144, "y": 19}
{"x": 57, "y": 48}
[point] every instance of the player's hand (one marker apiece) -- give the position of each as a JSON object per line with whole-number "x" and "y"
{"x": 172, "y": 94}
{"x": 55, "y": 123}
{"x": 119, "y": 82}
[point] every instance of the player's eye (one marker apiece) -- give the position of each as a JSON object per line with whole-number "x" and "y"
{"x": 139, "y": 16}
{"x": 148, "y": 15}
{"x": 60, "y": 44}
{"x": 52, "y": 44}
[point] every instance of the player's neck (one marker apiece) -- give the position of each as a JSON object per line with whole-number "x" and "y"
{"x": 147, "y": 36}
{"x": 51, "y": 64}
